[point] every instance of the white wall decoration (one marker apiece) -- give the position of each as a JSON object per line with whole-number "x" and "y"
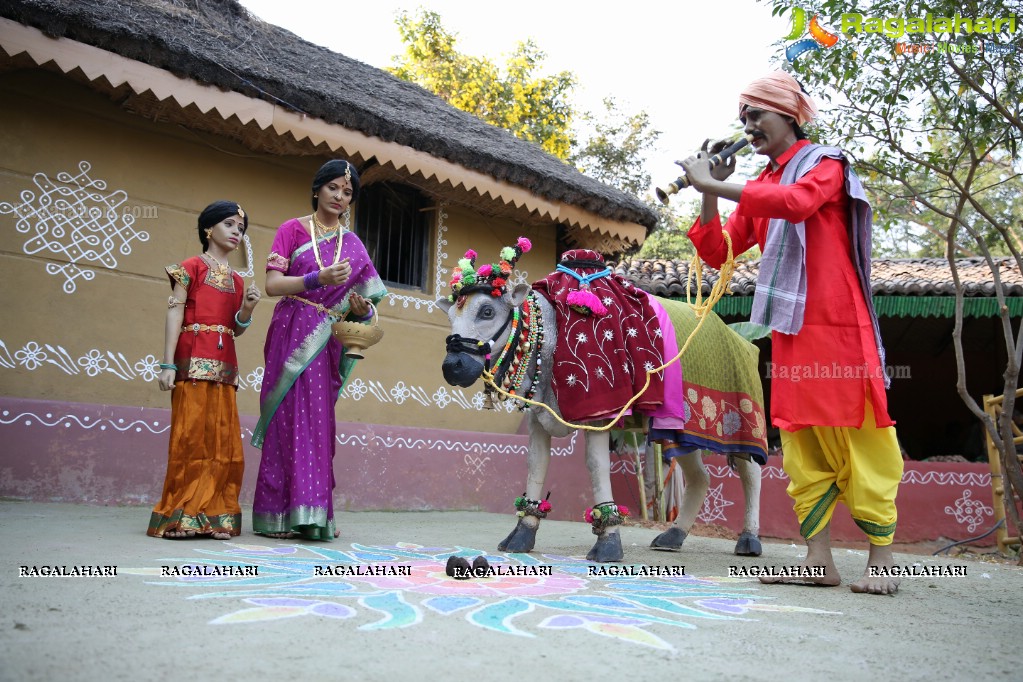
{"x": 969, "y": 511}
{"x": 95, "y": 362}
{"x": 75, "y": 218}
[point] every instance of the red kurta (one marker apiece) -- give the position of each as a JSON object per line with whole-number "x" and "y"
{"x": 820, "y": 376}
{"x": 214, "y": 296}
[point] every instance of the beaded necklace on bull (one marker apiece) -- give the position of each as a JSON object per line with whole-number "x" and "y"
{"x": 467, "y": 279}
{"x": 524, "y": 343}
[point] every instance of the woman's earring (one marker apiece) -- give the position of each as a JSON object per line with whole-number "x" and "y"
{"x": 209, "y": 233}
{"x": 348, "y": 217}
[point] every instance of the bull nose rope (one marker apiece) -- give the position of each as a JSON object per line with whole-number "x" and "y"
{"x": 701, "y": 307}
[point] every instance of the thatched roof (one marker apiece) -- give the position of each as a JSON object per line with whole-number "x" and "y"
{"x": 218, "y": 42}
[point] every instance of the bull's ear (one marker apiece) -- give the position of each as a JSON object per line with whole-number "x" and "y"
{"x": 518, "y": 294}
{"x": 444, "y": 304}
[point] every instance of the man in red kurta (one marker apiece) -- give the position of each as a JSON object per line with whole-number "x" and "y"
{"x": 808, "y": 214}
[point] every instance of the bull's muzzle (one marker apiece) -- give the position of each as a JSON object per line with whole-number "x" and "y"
{"x": 461, "y": 369}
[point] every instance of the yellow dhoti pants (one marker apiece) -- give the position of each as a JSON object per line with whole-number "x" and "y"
{"x": 859, "y": 467}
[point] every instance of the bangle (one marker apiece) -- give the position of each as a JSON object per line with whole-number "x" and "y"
{"x": 167, "y": 365}
{"x": 241, "y": 324}
{"x": 312, "y": 280}
{"x": 367, "y": 316}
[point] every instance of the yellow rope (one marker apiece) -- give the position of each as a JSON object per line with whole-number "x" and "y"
{"x": 701, "y": 308}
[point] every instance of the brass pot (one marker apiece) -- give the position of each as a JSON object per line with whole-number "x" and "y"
{"x": 357, "y": 336}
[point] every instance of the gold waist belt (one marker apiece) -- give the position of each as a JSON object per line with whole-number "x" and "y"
{"x": 218, "y": 328}
{"x": 322, "y": 308}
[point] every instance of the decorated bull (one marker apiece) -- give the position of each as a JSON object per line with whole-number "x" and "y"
{"x": 575, "y": 349}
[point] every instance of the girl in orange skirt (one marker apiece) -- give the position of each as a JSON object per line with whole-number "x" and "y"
{"x": 207, "y": 310}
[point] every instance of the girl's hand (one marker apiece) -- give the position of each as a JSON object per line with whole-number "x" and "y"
{"x": 252, "y": 297}
{"x": 358, "y": 306}
{"x": 167, "y": 379}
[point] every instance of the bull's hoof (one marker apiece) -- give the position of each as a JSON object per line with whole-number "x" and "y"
{"x": 607, "y": 549}
{"x": 671, "y": 539}
{"x": 480, "y": 567}
{"x": 458, "y": 568}
{"x": 521, "y": 539}
{"x": 748, "y": 545}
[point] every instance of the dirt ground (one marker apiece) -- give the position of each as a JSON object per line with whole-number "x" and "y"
{"x": 982, "y": 554}
{"x": 258, "y": 608}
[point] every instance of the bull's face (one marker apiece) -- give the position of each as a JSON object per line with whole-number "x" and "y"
{"x": 480, "y": 318}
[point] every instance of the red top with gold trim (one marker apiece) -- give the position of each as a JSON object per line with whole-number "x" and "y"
{"x": 205, "y": 350}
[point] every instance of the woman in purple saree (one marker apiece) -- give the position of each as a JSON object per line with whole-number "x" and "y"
{"x": 322, "y": 271}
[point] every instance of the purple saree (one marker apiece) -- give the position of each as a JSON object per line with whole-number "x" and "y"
{"x": 305, "y": 371}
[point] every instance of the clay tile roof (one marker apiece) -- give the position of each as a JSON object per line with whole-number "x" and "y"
{"x": 890, "y": 277}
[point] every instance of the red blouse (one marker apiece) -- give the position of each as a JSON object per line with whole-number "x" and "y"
{"x": 205, "y": 350}
{"x": 821, "y": 375}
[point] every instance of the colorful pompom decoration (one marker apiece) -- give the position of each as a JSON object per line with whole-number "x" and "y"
{"x": 585, "y": 302}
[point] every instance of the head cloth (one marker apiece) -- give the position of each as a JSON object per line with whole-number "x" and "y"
{"x": 778, "y": 92}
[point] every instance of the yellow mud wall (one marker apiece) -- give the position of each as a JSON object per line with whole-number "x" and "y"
{"x": 83, "y": 310}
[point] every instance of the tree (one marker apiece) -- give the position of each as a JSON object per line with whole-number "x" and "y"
{"x": 940, "y": 128}
{"x": 616, "y": 149}
{"x": 534, "y": 108}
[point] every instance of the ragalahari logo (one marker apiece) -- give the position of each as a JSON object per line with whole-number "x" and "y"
{"x": 819, "y": 36}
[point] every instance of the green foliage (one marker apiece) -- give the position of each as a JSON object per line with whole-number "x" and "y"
{"x": 936, "y": 135}
{"x": 616, "y": 150}
{"x": 668, "y": 239}
{"x": 534, "y": 108}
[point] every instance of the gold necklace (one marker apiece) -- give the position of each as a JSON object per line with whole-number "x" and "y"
{"x": 215, "y": 264}
{"x": 317, "y": 226}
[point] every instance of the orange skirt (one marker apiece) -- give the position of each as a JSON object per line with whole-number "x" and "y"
{"x": 205, "y": 462}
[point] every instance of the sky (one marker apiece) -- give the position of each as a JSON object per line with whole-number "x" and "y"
{"x": 683, "y": 62}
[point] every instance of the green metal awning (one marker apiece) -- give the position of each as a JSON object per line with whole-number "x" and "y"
{"x": 899, "y": 306}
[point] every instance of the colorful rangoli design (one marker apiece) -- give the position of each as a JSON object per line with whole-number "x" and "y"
{"x": 630, "y": 609}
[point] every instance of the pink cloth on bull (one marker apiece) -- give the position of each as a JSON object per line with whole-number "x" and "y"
{"x": 673, "y": 407}
{"x": 600, "y": 362}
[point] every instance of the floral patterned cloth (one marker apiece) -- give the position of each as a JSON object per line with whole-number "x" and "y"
{"x": 600, "y": 361}
{"x": 722, "y": 396}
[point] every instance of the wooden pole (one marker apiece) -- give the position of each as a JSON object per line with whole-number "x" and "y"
{"x": 639, "y": 475}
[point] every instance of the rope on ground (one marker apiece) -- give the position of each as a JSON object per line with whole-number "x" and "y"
{"x": 979, "y": 537}
{"x": 701, "y": 307}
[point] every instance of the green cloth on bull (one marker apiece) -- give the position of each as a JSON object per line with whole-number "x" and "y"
{"x": 723, "y": 394}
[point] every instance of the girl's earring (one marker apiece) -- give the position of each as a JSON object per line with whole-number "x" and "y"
{"x": 348, "y": 217}
{"x": 209, "y": 233}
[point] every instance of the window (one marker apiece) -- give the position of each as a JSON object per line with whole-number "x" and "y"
{"x": 391, "y": 222}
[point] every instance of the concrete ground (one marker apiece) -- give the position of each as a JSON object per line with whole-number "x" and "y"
{"x": 288, "y": 622}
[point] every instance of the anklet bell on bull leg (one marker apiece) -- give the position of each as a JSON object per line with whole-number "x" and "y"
{"x": 604, "y": 519}
{"x": 530, "y": 512}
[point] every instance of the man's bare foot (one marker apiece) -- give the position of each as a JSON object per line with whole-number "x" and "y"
{"x": 221, "y": 536}
{"x": 880, "y": 561}
{"x": 178, "y": 534}
{"x": 818, "y": 560}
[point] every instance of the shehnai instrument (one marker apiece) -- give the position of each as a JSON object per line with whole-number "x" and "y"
{"x": 681, "y": 182}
